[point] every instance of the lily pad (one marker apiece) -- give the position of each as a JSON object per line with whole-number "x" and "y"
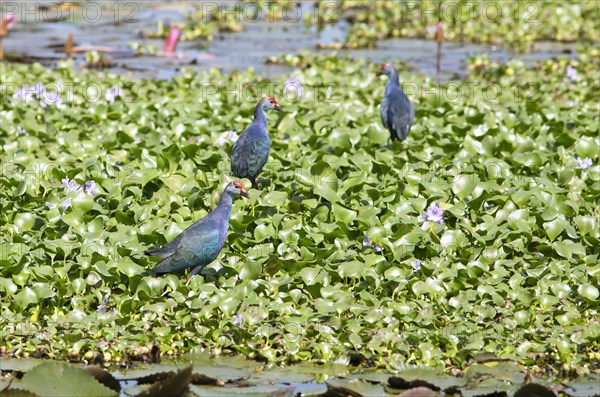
{"x": 354, "y": 388}
{"x": 21, "y": 365}
{"x": 425, "y": 377}
{"x": 585, "y": 387}
{"x": 60, "y": 379}
{"x": 249, "y": 391}
{"x": 215, "y": 375}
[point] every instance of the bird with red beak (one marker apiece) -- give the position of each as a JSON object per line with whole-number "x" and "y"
{"x": 251, "y": 151}
{"x": 199, "y": 244}
{"x": 397, "y": 111}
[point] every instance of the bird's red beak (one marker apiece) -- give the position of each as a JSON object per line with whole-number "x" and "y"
{"x": 243, "y": 190}
{"x": 381, "y": 69}
{"x": 276, "y": 105}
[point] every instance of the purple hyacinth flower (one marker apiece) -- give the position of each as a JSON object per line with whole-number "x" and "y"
{"x": 50, "y": 98}
{"x": 74, "y": 186}
{"x": 65, "y": 182}
{"x": 227, "y": 136}
{"x": 366, "y": 241}
{"x": 238, "y": 320}
{"x": 583, "y": 164}
{"x": 435, "y": 213}
{"x": 102, "y": 308}
{"x": 27, "y": 93}
{"x": 571, "y": 74}
{"x": 91, "y": 188}
{"x": 113, "y": 93}
{"x": 66, "y": 203}
{"x": 233, "y": 136}
{"x": 416, "y": 265}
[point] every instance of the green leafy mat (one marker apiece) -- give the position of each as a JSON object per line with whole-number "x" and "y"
{"x": 513, "y": 272}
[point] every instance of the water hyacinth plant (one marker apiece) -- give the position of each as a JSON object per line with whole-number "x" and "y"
{"x": 511, "y": 270}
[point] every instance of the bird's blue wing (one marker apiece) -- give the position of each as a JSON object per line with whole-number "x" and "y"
{"x": 198, "y": 245}
{"x": 397, "y": 114}
{"x": 167, "y": 249}
{"x": 250, "y": 153}
{"x": 385, "y": 106}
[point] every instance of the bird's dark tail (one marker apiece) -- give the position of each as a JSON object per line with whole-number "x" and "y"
{"x": 164, "y": 266}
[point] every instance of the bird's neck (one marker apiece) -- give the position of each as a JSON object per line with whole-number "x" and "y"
{"x": 225, "y": 203}
{"x": 393, "y": 81}
{"x": 260, "y": 116}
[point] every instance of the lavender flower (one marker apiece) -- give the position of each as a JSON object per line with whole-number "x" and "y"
{"x": 102, "y": 308}
{"x": 230, "y": 136}
{"x": 366, "y": 241}
{"x": 91, "y": 188}
{"x": 377, "y": 248}
{"x": 74, "y": 186}
{"x": 222, "y": 139}
{"x": 238, "y": 320}
{"x": 435, "y": 213}
{"x": 28, "y": 93}
{"x": 571, "y": 74}
{"x": 70, "y": 185}
{"x": 233, "y": 136}
{"x": 37, "y": 92}
{"x": 113, "y": 93}
{"x": 583, "y": 164}
{"x": 293, "y": 85}
{"x": 66, "y": 203}
{"x": 416, "y": 265}
{"x": 50, "y": 98}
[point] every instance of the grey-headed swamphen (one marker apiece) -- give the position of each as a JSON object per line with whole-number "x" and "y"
{"x": 199, "y": 244}
{"x": 251, "y": 151}
{"x": 397, "y": 111}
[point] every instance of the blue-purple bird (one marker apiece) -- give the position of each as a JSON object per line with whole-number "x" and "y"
{"x": 397, "y": 111}
{"x": 251, "y": 151}
{"x": 199, "y": 244}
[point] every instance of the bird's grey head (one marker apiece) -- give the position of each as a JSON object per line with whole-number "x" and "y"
{"x": 268, "y": 103}
{"x": 236, "y": 187}
{"x": 386, "y": 69}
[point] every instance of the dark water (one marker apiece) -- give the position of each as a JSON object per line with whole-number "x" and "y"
{"x": 35, "y": 38}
